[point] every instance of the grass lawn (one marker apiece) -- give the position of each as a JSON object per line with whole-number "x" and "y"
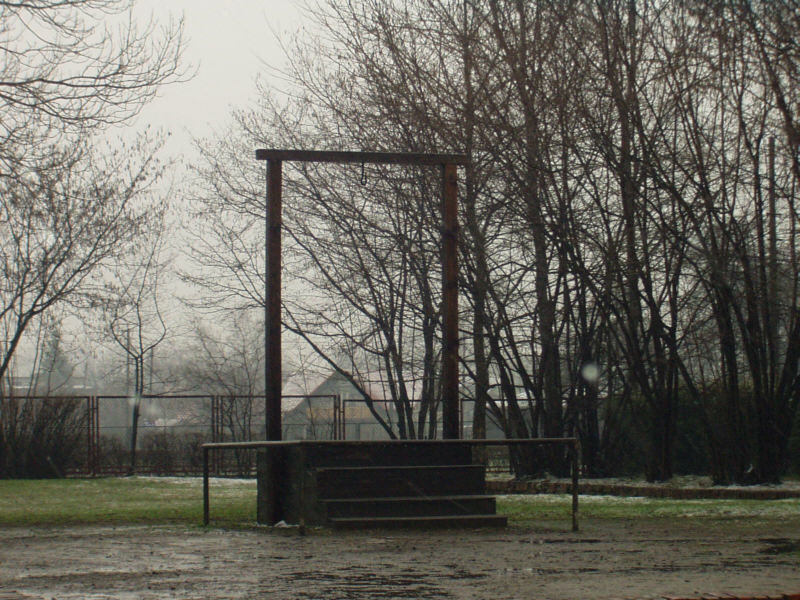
{"x": 118, "y": 500}
{"x": 521, "y": 508}
{"x": 171, "y": 500}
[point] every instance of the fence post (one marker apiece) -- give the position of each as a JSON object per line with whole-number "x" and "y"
{"x": 92, "y": 435}
{"x": 216, "y": 430}
{"x": 89, "y": 434}
{"x": 343, "y": 405}
{"x": 205, "y": 486}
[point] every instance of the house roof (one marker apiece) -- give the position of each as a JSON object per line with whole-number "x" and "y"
{"x": 375, "y": 383}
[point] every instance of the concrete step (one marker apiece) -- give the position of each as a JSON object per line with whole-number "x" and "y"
{"x": 410, "y": 506}
{"x": 431, "y": 522}
{"x": 383, "y": 482}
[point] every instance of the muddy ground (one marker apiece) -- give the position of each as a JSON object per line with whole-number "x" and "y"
{"x": 607, "y": 559}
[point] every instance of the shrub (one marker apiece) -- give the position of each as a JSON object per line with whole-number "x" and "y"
{"x": 41, "y": 437}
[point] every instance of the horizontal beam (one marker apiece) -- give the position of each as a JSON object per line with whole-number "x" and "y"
{"x": 468, "y": 442}
{"x": 386, "y": 158}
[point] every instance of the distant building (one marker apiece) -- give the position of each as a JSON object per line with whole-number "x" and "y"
{"x": 335, "y": 408}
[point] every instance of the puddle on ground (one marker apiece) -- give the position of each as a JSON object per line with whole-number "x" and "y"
{"x": 361, "y": 583}
{"x": 779, "y": 546}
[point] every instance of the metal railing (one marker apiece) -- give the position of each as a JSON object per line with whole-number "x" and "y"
{"x": 572, "y": 443}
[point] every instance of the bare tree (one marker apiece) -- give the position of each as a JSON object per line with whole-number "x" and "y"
{"x": 134, "y": 317}
{"x": 62, "y": 223}
{"x": 624, "y": 211}
{"x": 70, "y": 203}
{"x": 69, "y": 68}
{"x": 734, "y": 190}
{"x": 228, "y": 360}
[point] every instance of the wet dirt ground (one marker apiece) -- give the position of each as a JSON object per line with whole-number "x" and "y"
{"x": 606, "y": 559}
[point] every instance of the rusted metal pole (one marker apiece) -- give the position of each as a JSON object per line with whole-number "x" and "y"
{"x": 272, "y": 303}
{"x": 205, "y": 486}
{"x": 89, "y": 437}
{"x": 96, "y": 436}
{"x": 450, "y": 408}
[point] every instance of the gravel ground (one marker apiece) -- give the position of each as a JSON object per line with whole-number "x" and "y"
{"x": 607, "y": 559}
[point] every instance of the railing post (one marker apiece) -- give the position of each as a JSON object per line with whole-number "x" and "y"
{"x": 575, "y": 467}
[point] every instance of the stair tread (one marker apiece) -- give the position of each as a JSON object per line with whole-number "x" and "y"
{"x": 399, "y": 467}
{"x": 412, "y": 498}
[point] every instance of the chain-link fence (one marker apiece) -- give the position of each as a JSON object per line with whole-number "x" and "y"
{"x": 96, "y": 435}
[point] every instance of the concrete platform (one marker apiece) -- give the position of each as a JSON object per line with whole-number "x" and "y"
{"x": 374, "y": 484}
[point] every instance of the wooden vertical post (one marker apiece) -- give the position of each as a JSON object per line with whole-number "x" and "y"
{"x": 450, "y": 420}
{"x": 272, "y": 303}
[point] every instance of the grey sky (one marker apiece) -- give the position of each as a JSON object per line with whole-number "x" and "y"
{"x": 228, "y": 42}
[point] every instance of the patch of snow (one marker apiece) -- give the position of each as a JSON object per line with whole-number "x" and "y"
{"x": 197, "y": 480}
{"x": 679, "y": 481}
{"x": 561, "y": 498}
{"x": 680, "y": 508}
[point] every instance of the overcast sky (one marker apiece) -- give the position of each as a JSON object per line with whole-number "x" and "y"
{"x": 228, "y": 42}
